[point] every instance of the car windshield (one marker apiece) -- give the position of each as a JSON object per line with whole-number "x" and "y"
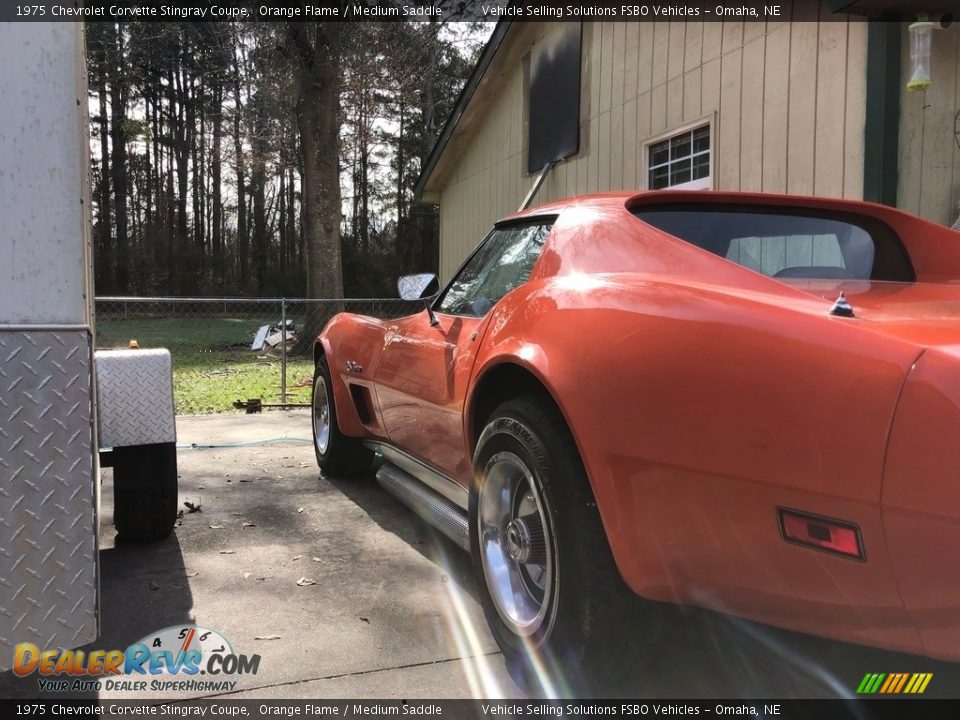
{"x": 788, "y": 243}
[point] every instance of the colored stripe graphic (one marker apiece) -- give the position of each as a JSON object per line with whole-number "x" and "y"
{"x": 894, "y": 683}
{"x": 903, "y": 680}
{"x": 892, "y": 678}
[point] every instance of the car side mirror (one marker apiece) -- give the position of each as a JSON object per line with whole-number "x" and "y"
{"x": 418, "y": 287}
{"x": 422, "y": 286}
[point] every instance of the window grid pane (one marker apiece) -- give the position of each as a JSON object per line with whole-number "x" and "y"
{"x": 680, "y": 146}
{"x": 679, "y": 159}
{"x": 701, "y": 166}
{"x": 659, "y": 177}
{"x": 701, "y": 139}
{"x": 680, "y": 172}
{"x": 659, "y": 153}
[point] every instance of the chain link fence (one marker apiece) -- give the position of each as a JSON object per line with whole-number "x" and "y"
{"x": 228, "y": 352}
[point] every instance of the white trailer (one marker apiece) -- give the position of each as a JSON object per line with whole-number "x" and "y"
{"x": 49, "y": 440}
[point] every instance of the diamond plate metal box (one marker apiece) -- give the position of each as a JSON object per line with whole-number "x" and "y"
{"x": 48, "y": 491}
{"x": 134, "y": 397}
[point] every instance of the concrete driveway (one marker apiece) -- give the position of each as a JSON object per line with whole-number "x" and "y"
{"x": 384, "y": 604}
{"x": 385, "y": 608}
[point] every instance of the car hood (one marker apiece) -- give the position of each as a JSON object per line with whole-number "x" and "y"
{"x": 924, "y": 313}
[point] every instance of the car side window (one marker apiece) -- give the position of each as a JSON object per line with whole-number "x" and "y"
{"x": 502, "y": 263}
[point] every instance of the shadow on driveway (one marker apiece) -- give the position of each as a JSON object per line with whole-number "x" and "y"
{"x": 150, "y": 580}
{"x": 694, "y": 653}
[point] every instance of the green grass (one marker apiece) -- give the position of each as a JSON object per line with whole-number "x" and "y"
{"x": 212, "y": 361}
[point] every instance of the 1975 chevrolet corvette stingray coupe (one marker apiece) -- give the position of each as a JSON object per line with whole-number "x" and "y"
{"x": 744, "y": 402}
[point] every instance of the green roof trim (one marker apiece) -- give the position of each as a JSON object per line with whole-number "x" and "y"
{"x": 881, "y": 141}
{"x": 840, "y": 5}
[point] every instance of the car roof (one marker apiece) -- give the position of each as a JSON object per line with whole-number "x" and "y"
{"x": 604, "y": 199}
{"x": 627, "y": 198}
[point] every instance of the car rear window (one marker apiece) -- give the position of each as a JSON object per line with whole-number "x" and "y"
{"x": 788, "y": 243}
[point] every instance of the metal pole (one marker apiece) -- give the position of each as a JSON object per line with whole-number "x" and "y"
{"x": 283, "y": 350}
{"x": 536, "y": 185}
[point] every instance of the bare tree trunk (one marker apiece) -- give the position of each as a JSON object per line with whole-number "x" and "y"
{"x": 316, "y": 76}
{"x": 242, "y": 247}
{"x": 195, "y": 114}
{"x": 148, "y": 165}
{"x": 172, "y": 247}
{"x": 428, "y": 91}
{"x": 157, "y": 222}
{"x": 118, "y": 112}
{"x": 216, "y": 170}
{"x": 364, "y": 153}
{"x": 105, "y": 264}
{"x": 182, "y": 153}
{"x": 401, "y": 210}
{"x": 258, "y": 180}
{"x": 292, "y": 240}
{"x": 282, "y": 224}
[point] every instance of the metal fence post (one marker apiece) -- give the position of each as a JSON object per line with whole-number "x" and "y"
{"x": 283, "y": 350}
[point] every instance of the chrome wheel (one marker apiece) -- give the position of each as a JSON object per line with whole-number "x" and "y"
{"x": 321, "y": 415}
{"x": 516, "y": 549}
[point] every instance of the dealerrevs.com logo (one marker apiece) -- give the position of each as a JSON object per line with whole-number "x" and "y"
{"x": 185, "y": 658}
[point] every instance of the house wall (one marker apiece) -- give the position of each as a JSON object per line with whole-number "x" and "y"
{"x": 929, "y": 163}
{"x": 786, "y": 100}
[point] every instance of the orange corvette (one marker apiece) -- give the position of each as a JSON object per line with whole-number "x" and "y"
{"x": 745, "y": 402}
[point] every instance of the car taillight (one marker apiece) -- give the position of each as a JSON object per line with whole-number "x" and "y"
{"x": 835, "y": 536}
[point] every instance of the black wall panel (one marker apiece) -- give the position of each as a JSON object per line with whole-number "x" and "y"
{"x": 554, "y": 102}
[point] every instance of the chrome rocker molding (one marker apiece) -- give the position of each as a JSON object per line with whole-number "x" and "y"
{"x": 441, "y": 484}
{"x": 429, "y": 505}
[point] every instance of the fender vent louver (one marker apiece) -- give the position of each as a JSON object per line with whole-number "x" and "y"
{"x": 361, "y": 401}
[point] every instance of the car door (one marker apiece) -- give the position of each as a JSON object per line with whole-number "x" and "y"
{"x": 421, "y": 380}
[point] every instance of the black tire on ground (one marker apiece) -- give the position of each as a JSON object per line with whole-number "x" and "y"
{"x": 343, "y": 456}
{"x": 589, "y": 643}
{"x": 144, "y": 491}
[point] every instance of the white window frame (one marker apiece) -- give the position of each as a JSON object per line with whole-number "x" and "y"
{"x": 706, "y": 183}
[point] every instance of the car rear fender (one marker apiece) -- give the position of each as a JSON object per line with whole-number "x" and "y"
{"x": 515, "y": 358}
{"x": 921, "y": 498}
{"x": 674, "y": 393}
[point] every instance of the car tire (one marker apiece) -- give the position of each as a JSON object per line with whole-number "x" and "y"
{"x": 144, "y": 492}
{"x": 577, "y": 634}
{"x": 337, "y": 454}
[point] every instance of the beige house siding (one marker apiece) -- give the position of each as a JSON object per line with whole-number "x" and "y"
{"x": 786, "y": 101}
{"x": 929, "y": 167}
